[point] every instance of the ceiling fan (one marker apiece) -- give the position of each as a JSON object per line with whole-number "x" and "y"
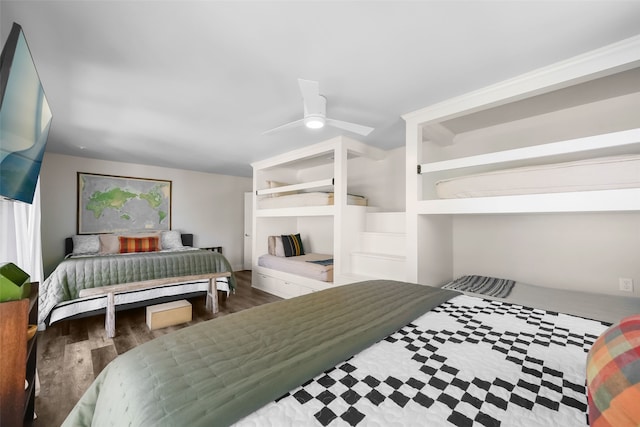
{"x": 315, "y": 112}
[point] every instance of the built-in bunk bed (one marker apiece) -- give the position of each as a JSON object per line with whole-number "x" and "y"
{"x": 560, "y": 145}
{"x": 305, "y": 203}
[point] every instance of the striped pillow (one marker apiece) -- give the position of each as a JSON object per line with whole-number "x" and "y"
{"x": 613, "y": 376}
{"x": 138, "y": 244}
{"x": 292, "y": 245}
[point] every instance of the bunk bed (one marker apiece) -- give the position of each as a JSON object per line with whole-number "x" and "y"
{"x": 564, "y": 139}
{"x": 291, "y": 258}
{"x": 307, "y": 192}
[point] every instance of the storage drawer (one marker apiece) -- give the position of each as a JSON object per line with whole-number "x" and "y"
{"x": 279, "y": 287}
{"x": 296, "y": 290}
{"x": 271, "y": 284}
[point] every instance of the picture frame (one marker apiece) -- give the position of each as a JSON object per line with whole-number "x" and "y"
{"x": 116, "y": 204}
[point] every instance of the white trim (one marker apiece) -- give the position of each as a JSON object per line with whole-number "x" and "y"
{"x": 296, "y": 187}
{"x": 301, "y": 211}
{"x": 617, "y": 57}
{"x": 579, "y": 201}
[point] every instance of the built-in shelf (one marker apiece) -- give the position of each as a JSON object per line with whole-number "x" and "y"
{"x": 577, "y": 145}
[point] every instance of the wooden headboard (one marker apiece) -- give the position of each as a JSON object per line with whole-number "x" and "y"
{"x": 187, "y": 240}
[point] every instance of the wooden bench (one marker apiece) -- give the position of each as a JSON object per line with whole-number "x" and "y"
{"x": 112, "y": 290}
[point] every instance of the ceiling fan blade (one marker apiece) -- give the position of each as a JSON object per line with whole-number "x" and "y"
{"x": 313, "y": 101}
{"x": 351, "y": 127}
{"x": 285, "y": 126}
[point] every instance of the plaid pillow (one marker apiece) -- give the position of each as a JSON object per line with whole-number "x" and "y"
{"x": 613, "y": 376}
{"x": 292, "y": 245}
{"x": 138, "y": 244}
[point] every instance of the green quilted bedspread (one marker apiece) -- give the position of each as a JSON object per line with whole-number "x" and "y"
{"x": 216, "y": 372}
{"x": 74, "y": 274}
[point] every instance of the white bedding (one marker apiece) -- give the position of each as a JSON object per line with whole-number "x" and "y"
{"x": 604, "y": 173}
{"x": 467, "y": 362}
{"x": 315, "y": 198}
{"x": 299, "y": 265}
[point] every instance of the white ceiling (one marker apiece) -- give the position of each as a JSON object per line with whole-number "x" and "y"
{"x": 193, "y": 84}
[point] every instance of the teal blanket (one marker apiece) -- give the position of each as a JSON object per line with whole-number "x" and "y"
{"x": 74, "y": 274}
{"x": 216, "y": 372}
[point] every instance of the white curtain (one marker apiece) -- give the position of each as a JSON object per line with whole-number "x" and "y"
{"x": 20, "y": 241}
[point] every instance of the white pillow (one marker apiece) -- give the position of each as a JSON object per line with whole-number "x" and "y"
{"x": 275, "y": 246}
{"x": 109, "y": 244}
{"x": 279, "y": 246}
{"x": 171, "y": 240}
{"x": 86, "y": 244}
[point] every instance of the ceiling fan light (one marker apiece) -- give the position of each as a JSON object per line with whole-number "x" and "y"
{"x": 314, "y": 122}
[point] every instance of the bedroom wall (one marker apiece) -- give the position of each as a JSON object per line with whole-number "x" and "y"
{"x": 210, "y": 206}
{"x": 383, "y": 181}
{"x": 586, "y": 251}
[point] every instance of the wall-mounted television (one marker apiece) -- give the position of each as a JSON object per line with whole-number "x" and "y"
{"x": 25, "y": 119}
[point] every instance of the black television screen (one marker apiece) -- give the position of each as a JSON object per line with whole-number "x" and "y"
{"x": 25, "y": 119}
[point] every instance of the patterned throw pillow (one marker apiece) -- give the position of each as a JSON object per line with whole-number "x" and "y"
{"x": 613, "y": 376}
{"x": 171, "y": 240}
{"x": 86, "y": 244}
{"x": 292, "y": 245}
{"x": 138, "y": 244}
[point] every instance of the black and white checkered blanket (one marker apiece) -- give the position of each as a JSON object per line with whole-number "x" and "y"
{"x": 468, "y": 362}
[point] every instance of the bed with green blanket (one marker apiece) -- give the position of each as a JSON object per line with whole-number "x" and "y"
{"x": 216, "y": 372}
{"x": 59, "y": 293}
{"x": 370, "y": 353}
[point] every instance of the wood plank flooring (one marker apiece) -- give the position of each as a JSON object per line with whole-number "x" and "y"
{"x": 72, "y": 353}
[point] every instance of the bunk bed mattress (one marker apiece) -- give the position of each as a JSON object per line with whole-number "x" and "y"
{"x": 603, "y": 173}
{"x": 314, "y": 198}
{"x": 300, "y": 265}
{"x": 371, "y": 353}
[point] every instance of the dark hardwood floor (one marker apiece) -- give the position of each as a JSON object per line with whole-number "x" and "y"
{"x": 72, "y": 353}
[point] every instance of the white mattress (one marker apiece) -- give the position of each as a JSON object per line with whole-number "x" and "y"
{"x": 604, "y": 173}
{"x": 299, "y": 265}
{"x": 315, "y": 198}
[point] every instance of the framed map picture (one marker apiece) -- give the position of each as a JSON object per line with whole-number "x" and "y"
{"x": 112, "y": 204}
